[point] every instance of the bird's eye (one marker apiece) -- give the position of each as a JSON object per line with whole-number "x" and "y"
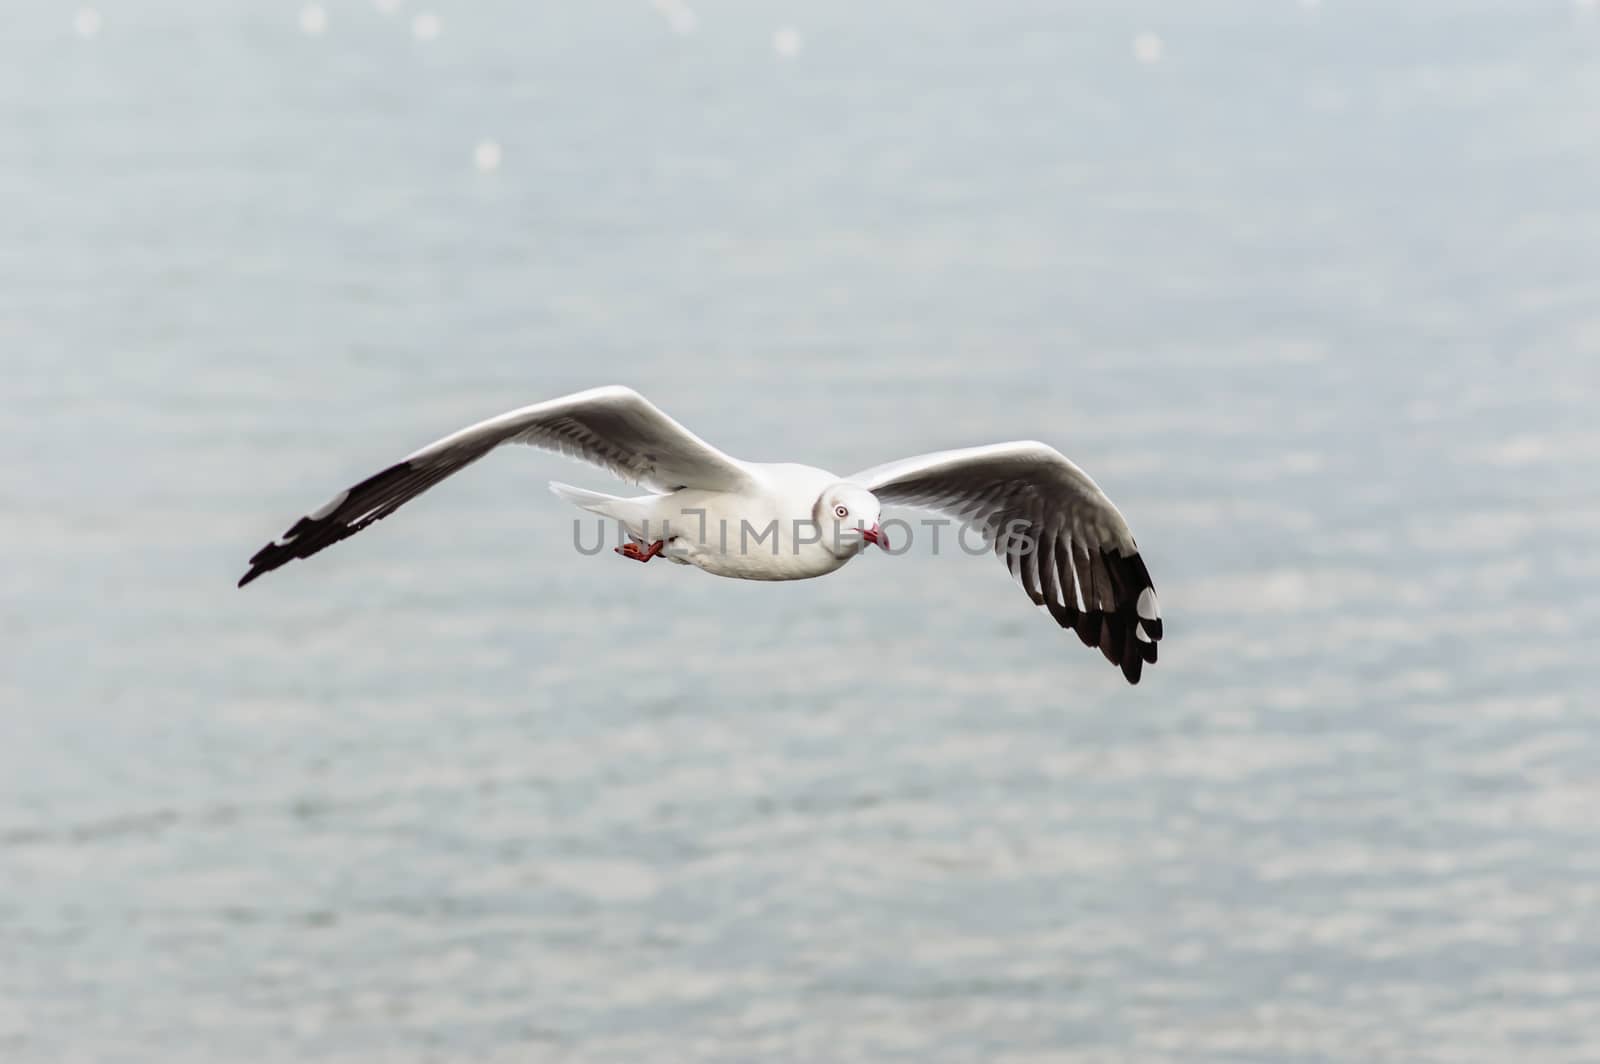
{"x": 840, "y": 511}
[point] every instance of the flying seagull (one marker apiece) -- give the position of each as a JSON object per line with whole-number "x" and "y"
{"x": 1058, "y": 534}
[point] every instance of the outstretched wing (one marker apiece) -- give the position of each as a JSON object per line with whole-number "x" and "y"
{"x": 1058, "y": 533}
{"x": 612, "y": 427}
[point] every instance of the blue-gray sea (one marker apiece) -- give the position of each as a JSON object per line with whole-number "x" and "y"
{"x": 1313, "y": 290}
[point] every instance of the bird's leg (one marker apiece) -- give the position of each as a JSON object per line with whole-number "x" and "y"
{"x": 631, "y": 550}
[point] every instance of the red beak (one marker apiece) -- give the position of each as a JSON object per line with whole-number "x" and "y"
{"x": 875, "y": 535}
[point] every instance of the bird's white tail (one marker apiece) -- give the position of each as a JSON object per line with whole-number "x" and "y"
{"x": 639, "y": 516}
{"x": 593, "y": 501}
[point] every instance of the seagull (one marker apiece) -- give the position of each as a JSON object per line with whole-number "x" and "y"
{"x": 1057, "y": 532}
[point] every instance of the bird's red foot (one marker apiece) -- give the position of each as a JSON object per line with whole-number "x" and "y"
{"x": 631, "y": 550}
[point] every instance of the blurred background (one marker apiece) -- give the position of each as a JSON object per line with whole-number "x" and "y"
{"x": 1313, "y": 290}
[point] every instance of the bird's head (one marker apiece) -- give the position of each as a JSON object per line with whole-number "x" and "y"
{"x": 847, "y": 517}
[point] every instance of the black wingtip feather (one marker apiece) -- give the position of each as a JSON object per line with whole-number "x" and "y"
{"x": 1132, "y": 655}
{"x": 1111, "y": 638}
{"x": 354, "y": 512}
{"x": 1115, "y": 633}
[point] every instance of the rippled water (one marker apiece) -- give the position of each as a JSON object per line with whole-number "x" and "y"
{"x": 1315, "y": 295}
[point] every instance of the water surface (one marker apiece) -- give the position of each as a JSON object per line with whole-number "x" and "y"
{"x": 1314, "y": 297}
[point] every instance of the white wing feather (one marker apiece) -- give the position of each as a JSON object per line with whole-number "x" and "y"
{"x": 614, "y": 427}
